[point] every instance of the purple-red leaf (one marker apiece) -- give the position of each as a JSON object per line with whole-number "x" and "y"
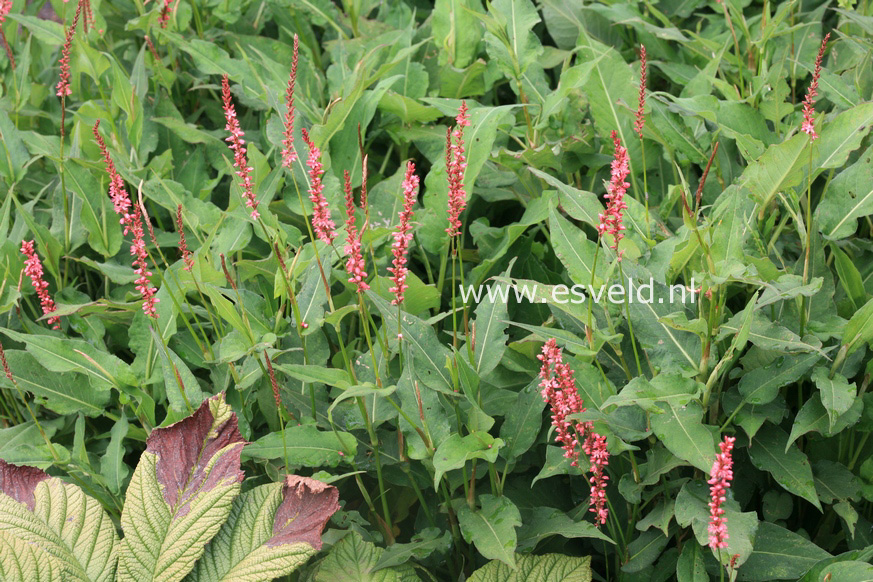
{"x": 19, "y": 481}
{"x": 306, "y": 507}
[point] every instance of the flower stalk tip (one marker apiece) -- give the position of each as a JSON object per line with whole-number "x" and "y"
{"x": 237, "y": 145}
{"x": 63, "y": 87}
{"x": 558, "y": 389}
{"x": 641, "y": 116}
{"x": 808, "y": 125}
{"x": 456, "y": 166}
{"x": 611, "y": 221}
{"x": 403, "y": 235}
{"x": 289, "y": 154}
{"x": 355, "y": 264}
{"x": 325, "y": 229}
{"x": 33, "y": 269}
{"x": 720, "y": 479}
{"x": 183, "y": 244}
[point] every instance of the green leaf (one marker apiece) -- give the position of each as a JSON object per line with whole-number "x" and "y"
{"x": 492, "y": 528}
{"x": 424, "y": 543}
{"x": 574, "y": 250}
{"x": 813, "y": 417}
{"x": 579, "y": 204}
{"x": 354, "y": 559}
{"x": 761, "y": 385}
{"x": 780, "y": 554}
{"x": 112, "y": 465}
{"x": 64, "y": 392}
{"x": 837, "y": 395}
{"x": 98, "y": 216}
{"x": 779, "y": 168}
{"x": 59, "y": 518}
{"x": 842, "y": 135}
{"x": 691, "y": 566}
{"x": 544, "y": 522}
{"x": 682, "y": 431}
{"x": 306, "y": 447}
{"x": 510, "y": 40}
{"x": 46, "y": 31}
{"x": 457, "y": 31}
{"x": 183, "y": 389}
{"x": 847, "y": 198}
{"x": 180, "y": 494}
{"x": 543, "y": 568}
{"x": 13, "y": 153}
{"x": 522, "y": 422}
{"x": 859, "y": 330}
{"x": 271, "y": 531}
{"x": 490, "y": 333}
{"x": 787, "y": 464}
{"x": 21, "y": 561}
{"x": 317, "y": 374}
{"x": 850, "y": 278}
{"x": 455, "y": 451}
{"x": 732, "y": 216}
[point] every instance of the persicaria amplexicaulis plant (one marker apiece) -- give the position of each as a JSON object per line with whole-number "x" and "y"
{"x": 403, "y": 235}
{"x": 325, "y": 229}
{"x": 355, "y": 265}
{"x": 456, "y": 164}
{"x": 612, "y": 220}
{"x": 720, "y": 479}
{"x": 237, "y": 145}
{"x": 808, "y": 125}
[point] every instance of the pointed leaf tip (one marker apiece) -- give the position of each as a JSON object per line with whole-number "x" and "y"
{"x": 20, "y": 481}
{"x": 307, "y": 505}
{"x": 186, "y": 449}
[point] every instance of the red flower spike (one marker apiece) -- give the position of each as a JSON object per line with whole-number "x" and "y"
{"x": 237, "y": 145}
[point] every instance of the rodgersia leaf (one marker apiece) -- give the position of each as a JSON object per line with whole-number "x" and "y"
{"x": 51, "y": 530}
{"x": 272, "y": 530}
{"x": 180, "y": 494}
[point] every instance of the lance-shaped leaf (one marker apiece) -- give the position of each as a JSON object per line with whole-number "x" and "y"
{"x": 53, "y": 524}
{"x": 180, "y": 494}
{"x": 272, "y": 530}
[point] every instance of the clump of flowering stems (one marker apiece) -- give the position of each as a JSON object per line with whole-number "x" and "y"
{"x": 5, "y": 7}
{"x": 719, "y": 482}
{"x": 33, "y": 269}
{"x": 132, "y": 222}
{"x": 289, "y": 154}
{"x": 808, "y": 127}
{"x": 237, "y": 145}
{"x": 355, "y": 264}
{"x": 558, "y": 388}
{"x": 325, "y": 229}
{"x": 638, "y": 127}
{"x": 403, "y": 235}
{"x": 183, "y": 244}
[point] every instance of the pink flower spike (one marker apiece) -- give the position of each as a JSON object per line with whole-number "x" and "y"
{"x": 289, "y": 154}
{"x": 641, "y": 116}
{"x": 558, "y": 388}
{"x": 33, "y": 269}
{"x": 132, "y": 222}
{"x": 808, "y": 125}
{"x": 5, "y": 8}
{"x": 355, "y": 264}
{"x": 719, "y": 482}
{"x": 183, "y": 244}
{"x": 63, "y": 88}
{"x": 325, "y": 229}
{"x": 237, "y": 145}
{"x": 403, "y": 235}
{"x": 456, "y": 165}
{"x": 611, "y": 221}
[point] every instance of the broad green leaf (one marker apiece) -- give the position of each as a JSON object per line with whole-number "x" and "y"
{"x": 542, "y": 568}
{"x": 352, "y": 558}
{"x": 98, "y": 216}
{"x": 837, "y": 395}
{"x": 814, "y": 417}
{"x": 180, "y": 494}
{"x": 681, "y": 429}
{"x": 423, "y": 544}
{"x": 183, "y": 389}
{"x": 60, "y": 519}
{"x": 455, "y": 451}
{"x": 848, "y": 197}
{"x": 457, "y": 31}
{"x": 859, "y": 330}
{"x": 665, "y": 345}
{"x": 788, "y": 465}
{"x": 112, "y": 465}
{"x": 306, "y": 446}
{"x": 490, "y": 333}
{"x": 492, "y": 528}
{"x": 522, "y": 422}
{"x": 510, "y": 40}
{"x": 64, "y": 392}
{"x": 21, "y": 561}
{"x": 272, "y": 530}
{"x": 575, "y": 251}
{"x": 544, "y": 522}
{"x": 850, "y": 278}
{"x": 769, "y": 335}
{"x": 430, "y": 355}
{"x": 317, "y": 374}
{"x": 691, "y": 566}
{"x": 579, "y": 204}
{"x": 644, "y": 550}
{"x": 761, "y": 385}
{"x": 842, "y": 135}
{"x": 73, "y": 355}
{"x": 780, "y": 554}
{"x": 779, "y": 168}
{"x": 13, "y": 153}
{"x": 46, "y": 31}
{"x": 732, "y": 216}
{"x": 666, "y": 387}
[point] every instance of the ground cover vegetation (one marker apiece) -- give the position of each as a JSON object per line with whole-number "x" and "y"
{"x": 395, "y": 291}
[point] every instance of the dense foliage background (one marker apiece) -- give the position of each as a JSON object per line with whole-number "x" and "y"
{"x": 440, "y": 444}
